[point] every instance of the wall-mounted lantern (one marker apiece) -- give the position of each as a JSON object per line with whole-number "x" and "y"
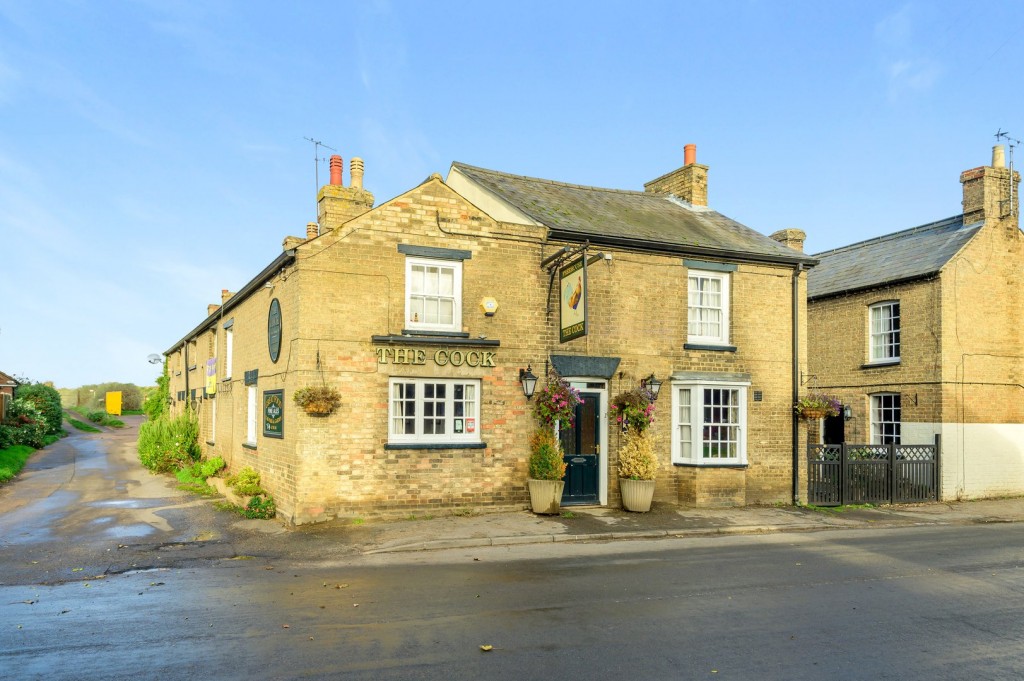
{"x": 847, "y": 412}
{"x": 652, "y": 385}
{"x": 528, "y": 380}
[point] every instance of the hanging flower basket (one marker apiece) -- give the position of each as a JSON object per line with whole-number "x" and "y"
{"x": 318, "y": 400}
{"x": 817, "y": 406}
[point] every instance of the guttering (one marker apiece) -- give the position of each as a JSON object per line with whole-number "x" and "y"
{"x": 283, "y": 260}
{"x": 682, "y": 249}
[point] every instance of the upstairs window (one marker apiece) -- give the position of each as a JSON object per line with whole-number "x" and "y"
{"x": 708, "y": 307}
{"x": 885, "y": 331}
{"x": 229, "y": 350}
{"x": 433, "y": 295}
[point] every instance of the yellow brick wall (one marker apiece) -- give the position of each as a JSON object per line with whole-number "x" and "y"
{"x": 349, "y": 285}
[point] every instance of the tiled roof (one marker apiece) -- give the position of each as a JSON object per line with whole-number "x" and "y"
{"x": 910, "y": 254}
{"x": 7, "y": 380}
{"x": 624, "y": 217}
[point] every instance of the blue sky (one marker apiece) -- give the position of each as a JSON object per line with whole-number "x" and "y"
{"x": 152, "y": 151}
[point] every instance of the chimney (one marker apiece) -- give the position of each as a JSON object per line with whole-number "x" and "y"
{"x": 689, "y": 183}
{"x": 794, "y": 238}
{"x": 211, "y": 308}
{"x": 224, "y": 295}
{"x": 338, "y": 204}
{"x": 356, "y": 173}
{"x": 989, "y": 191}
{"x": 313, "y": 229}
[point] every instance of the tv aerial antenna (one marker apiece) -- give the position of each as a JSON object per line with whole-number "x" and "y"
{"x": 1011, "y": 142}
{"x": 316, "y": 168}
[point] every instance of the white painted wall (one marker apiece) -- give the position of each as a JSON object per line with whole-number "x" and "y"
{"x": 978, "y": 459}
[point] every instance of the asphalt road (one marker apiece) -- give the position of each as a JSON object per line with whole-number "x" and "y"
{"x": 937, "y": 602}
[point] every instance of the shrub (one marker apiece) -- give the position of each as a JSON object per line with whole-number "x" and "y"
{"x": 261, "y": 508}
{"x": 47, "y": 401}
{"x": 169, "y": 444}
{"x": 246, "y": 482}
{"x": 546, "y": 462}
{"x": 28, "y": 427}
{"x": 158, "y": 400}
{"x": 636, "y": 458}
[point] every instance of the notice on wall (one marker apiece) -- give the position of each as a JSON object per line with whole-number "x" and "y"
{"x": 273, "y": 413}
{"x": 572, "y": 285}
{"x": 211, "y": 376}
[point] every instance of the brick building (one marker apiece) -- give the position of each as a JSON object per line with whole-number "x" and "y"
{"x": 423, "y": 311}
{"x": 919, "y": 333}
{"x": 7, "y": 386}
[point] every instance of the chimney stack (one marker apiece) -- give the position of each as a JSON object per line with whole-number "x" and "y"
{"x": 337, "y": 204}
{"x": 312, "y": 230}
{"x": 989, "y": 192}
{"x": 794, "y": 238}
{"x": 689, "y": 183}
{"x": 224, "y": 295}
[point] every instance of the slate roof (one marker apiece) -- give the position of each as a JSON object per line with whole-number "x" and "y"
{"x": 6, "y": 380}
{"x": 630, "y": 218}
{"x": 911, "y": 254}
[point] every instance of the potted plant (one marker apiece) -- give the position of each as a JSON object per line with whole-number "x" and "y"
{"x": 555, "y": 406}
{"x": 547, "y": 468}
{"x": 634, "y": 410}
{"x": 817, "y": 405}
{"x": 318, "y": 400}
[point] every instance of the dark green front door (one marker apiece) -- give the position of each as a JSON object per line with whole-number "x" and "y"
{"x": 581, "y": 446}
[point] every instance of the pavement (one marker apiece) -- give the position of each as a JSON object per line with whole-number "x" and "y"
{"x": 594, "y": 524}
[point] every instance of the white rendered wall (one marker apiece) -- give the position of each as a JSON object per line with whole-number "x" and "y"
{"x": 978, "y": 459}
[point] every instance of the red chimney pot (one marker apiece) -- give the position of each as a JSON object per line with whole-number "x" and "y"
{"x": 689, "y": 154}
{"x": 336, "y": 170}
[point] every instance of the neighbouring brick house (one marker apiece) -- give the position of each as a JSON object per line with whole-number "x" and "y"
{"x": 919, "y": 332}
{"x": 424, "y": 310}
{"x": 7, "y": 386}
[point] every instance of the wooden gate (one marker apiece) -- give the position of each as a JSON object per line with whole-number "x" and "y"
{"x": 872, "y": 474}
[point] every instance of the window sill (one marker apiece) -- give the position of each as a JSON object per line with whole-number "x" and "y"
{"x": 436, "y": 445}
{"x": 706, "y": 346}
{"x": 444, "y": 339}
{"x": 881, "y": 364}
{"x": 210, "y": 442}
{"x": 709, "y": 465}
{"x": 249, "y": 445}
{"x": 442, "y": 334}
{"x": 226, "y": 379}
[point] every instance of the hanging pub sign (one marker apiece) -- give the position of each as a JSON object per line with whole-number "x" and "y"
{"x": 572, "y": 286}
{"x": 211, "y": 376}
{"x": 273, "y": 413}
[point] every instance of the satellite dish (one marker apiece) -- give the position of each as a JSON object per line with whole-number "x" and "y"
{"x": 155, "y": 359}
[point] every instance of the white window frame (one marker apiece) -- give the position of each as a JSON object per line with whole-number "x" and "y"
{"x": 884, "y": 337}
{"x": 694, "y": 425}
{"x": 420, "y": 403}
{"x": 883, "y": 415}
{"x": 251, "y": 401}
{"x": 723, "y": 279}
{"x": 229, "y": 344}
{"x": 213, "y": 421}
{"x": 456, "y": 267}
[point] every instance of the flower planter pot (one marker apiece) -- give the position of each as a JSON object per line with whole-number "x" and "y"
{"x": 636, "y": 494}
{"x": 546, "y": 496}
{"x": 319, "y": 409}
{"x": 812, "y": 413}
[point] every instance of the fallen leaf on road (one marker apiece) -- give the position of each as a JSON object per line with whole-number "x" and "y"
{"x": 487, "y": 649}
{"x": 77, "y": 569}
{"x": 28, "y": 602}
{"x": 341, "y": 586}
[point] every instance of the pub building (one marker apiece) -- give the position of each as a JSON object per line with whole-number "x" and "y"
{"x": 426, "y": 312}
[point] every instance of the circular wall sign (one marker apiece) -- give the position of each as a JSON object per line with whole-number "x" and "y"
{"x": 274, "y": 330}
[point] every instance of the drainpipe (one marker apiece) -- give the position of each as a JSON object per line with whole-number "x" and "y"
{"x": 796, "y": 383}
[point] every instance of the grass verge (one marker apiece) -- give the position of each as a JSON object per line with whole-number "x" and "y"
{"x": 12, "y": 460}
{"x": 83, "y": 426}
